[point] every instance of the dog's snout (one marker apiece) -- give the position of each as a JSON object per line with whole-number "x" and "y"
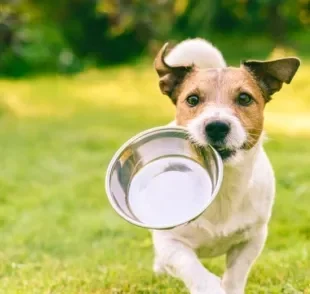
{"x": 217, "y": 130}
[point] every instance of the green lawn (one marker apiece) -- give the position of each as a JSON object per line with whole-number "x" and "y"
{"x": 58, "y": 232}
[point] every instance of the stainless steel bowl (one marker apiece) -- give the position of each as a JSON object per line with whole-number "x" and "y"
{"x": 160, "y": 180}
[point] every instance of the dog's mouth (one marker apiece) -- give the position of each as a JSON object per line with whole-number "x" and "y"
{"x": 224, "y": 152}
{"x": 221, "y": 148}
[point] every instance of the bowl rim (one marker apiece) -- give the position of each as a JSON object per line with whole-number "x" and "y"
{"x": 140, "y": 136}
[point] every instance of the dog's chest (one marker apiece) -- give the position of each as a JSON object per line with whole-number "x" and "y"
{"x": 219, "y": 239}
{"x": 222, "y": 226}
{"x": 212, "y": 240}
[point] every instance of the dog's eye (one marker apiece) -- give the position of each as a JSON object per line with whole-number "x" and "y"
{"x": 244, "y": 99}
{"x": 192, "y": 100}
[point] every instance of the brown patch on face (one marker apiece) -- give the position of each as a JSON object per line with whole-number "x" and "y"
{"x": 222, "y": 87}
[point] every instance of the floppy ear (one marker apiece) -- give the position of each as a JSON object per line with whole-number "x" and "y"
{"x": 272, "y": 74}
{"x": 169, "y": 76}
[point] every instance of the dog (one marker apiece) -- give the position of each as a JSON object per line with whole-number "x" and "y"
{"x": 224, "y": 107}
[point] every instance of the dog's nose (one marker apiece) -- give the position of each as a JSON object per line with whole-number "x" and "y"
{"x": 217, "y": 130}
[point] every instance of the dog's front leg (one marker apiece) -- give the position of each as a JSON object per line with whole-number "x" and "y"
{"x": 181, "y": 261}
{"x": 239, "y": 260}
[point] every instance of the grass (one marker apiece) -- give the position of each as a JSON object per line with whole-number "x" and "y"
{"x": 58, "y": 232}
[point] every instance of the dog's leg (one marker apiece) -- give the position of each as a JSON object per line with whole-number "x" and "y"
{"x": 181, "y": 261}
{"x": 240, "y": 259}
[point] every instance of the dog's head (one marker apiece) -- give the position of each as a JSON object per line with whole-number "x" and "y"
{"x": 222, "y": 106}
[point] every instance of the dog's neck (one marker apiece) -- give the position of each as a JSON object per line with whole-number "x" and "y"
{"x": 238, "y": 175}
{"x": 245, "y": 160}
{"x": 239, "y": 171}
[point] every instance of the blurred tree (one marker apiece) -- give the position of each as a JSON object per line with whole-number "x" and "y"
{"x": 197, "y": 18}
{"x": 60, "y": 35}
{"x": 29, "y": 44}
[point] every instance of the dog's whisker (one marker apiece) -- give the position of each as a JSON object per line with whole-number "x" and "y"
{"x": 254, "y": 135}
{"x": 249, "y": 128}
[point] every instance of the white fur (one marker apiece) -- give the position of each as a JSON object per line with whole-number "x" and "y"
{"x": 234, "y": 224}
{"x": 237, "y": 135}
{"x": 195, "y": 51}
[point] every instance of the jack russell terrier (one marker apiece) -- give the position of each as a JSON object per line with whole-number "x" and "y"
{"x": 222, "y": 106}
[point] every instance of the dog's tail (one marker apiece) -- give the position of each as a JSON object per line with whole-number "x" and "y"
{"x": 196, "y": 51}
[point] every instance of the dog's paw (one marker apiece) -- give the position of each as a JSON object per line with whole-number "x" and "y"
{"x": 234, "y": 291}
{"x": 158, "y": 269}
{"x": 232, "y": 287}
{"x": 213, "y": 286}
{"x": 209, "y": 290}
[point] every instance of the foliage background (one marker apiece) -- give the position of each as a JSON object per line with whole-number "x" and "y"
{"x": 68, "y": 35}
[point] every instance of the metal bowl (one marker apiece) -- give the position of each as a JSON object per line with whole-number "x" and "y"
{"x": 160, "y": 180}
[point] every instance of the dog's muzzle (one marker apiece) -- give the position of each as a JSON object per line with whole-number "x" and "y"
{"x": 216, "y": 133}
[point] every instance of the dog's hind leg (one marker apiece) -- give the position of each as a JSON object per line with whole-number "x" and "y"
{"x": 158, "y": 267}
{"x": 180, "y": 261}
{"x": 239, "y": 261}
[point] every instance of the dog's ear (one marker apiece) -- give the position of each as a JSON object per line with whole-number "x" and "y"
{"x": 169, "y": 76}
{"x": 272, "y": 74}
